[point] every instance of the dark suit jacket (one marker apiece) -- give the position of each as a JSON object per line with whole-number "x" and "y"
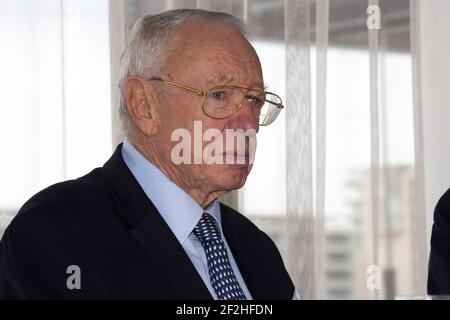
{"x": 439, "y": 263}
{"x": 104, "y": 223}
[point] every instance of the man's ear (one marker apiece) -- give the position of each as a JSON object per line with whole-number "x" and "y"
{"x": 142, "y": 105}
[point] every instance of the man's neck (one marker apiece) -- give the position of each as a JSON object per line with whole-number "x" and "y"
{"x": 200, "y": 195}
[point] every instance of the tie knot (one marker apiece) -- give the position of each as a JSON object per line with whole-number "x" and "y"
{"x": 206, "y": 229}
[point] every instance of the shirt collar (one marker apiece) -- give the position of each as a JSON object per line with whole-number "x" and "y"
{"x": 177, "y": 207}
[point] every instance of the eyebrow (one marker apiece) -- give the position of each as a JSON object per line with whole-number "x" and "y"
{"x": 225, "y": 79}
{"x": 221, "y": 79}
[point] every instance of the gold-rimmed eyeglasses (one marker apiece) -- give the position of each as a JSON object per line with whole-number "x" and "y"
{"x": 223, "y": 101}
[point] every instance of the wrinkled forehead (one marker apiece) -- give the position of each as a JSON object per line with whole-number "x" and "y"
{"x": 215, "y": 52}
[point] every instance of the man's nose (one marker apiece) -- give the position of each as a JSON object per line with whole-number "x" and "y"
{"x": 245, "y": 118}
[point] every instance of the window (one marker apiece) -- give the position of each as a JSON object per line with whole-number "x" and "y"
{"x": 55, "y": 118}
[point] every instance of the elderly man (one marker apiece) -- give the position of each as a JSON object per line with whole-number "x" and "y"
{"x": 147, "y": 225}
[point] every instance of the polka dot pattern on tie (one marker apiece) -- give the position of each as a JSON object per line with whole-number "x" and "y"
{"x": 221, "y": 274}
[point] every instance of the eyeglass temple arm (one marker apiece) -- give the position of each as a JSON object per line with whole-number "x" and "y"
{"x": 197, "y": 91}
{"x": 278, "y": 105}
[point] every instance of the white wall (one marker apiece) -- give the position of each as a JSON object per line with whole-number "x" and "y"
{"x": 435, "y": 62}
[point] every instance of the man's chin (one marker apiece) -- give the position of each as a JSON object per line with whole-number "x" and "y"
{"x": 234, "y": 177}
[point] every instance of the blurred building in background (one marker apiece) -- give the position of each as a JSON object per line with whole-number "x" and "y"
{"x": 348, "y": 239}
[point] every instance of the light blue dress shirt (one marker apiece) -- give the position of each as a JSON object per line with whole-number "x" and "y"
{"x": 180, "y": 212}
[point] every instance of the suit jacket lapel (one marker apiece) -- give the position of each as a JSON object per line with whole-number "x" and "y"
{"x": 169, "y": 257}
{"x": 151, "y": 231}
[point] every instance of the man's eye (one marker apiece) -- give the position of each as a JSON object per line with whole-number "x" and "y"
{"x": 255, "y": 101}
{"x": 218, "y": 95}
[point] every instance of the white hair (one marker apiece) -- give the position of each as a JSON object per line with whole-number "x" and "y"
{"x": 149, "y": 43}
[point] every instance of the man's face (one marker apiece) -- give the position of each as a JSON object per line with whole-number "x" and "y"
{"x": 204, "y": 56}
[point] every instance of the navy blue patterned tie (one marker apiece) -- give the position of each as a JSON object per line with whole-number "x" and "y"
{"x": 221, "y": 274}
